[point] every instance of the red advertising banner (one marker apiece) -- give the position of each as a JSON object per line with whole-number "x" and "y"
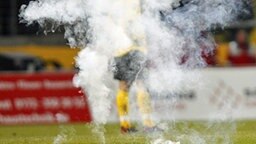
{"x": 41, "y": 98}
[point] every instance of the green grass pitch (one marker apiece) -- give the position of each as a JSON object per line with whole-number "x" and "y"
{"x": 186, "y": 132}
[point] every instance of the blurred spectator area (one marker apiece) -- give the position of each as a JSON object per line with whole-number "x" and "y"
{"x": 236, "y": 45}
{"x": 30, "y": 45}
{"x": 51, "y": 57}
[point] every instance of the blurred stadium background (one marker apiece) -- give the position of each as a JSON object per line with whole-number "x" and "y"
{"x": 36, "y": 72}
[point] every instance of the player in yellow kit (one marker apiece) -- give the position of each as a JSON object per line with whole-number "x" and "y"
{"x": 130, "y": 68}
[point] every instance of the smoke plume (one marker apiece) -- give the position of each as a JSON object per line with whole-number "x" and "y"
{"x": 177, "y": 34}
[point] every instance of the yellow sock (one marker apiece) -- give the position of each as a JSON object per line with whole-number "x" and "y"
{"x": 122, "y": 101}
{"x": 145, "y": 108}
{"x": 125, "y": 122}
{"x": 147, "y": 120}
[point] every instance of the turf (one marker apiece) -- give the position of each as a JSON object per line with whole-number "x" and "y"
{"x": 186, "y": 132}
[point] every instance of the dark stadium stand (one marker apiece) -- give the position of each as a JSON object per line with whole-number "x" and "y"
{"x": 20, "y": 62}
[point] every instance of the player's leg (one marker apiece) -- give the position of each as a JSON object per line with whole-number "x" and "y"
{"x": 122, "y": 74}
{"x": 144, "y": 103}
{"x": 122, "y": 101}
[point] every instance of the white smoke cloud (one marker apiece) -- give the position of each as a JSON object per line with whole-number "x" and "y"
{"x": 95, "y": 81}
{"x": 162, "y": 141}
{"x": 99, "y": 28}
